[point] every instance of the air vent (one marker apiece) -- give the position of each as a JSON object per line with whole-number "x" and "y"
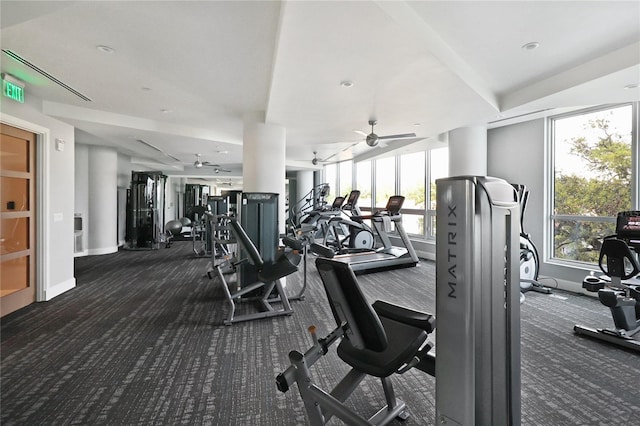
{"x": 519, "y": 116}
{"x": 42, "y": 72}
{"x": 152, "y": 146}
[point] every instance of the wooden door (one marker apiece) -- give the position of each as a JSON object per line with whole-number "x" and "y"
{"x": 17, "y": 219}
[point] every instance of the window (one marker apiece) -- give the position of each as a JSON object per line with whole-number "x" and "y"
{"x": 412, "y": 187}
{"x": 411, "y": 175}
{"x": 593, "y": 178}
{"x": 363, "y": 184}
{"x": 385, "y": 174}
{"x": 438, "y": 168}
{"x": 345, "y": 178}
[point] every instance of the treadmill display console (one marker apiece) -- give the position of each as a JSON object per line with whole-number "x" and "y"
{"x": 394, "y": 204}
{"x": 628, "y": 227}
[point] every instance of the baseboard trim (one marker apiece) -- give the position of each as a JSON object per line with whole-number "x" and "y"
{"x": 104, "y": 250}
{"x": 59, "y": 288}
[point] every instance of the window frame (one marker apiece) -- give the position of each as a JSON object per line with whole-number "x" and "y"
{"x": 426, "y": 213}
{"x": 550, "y": 148}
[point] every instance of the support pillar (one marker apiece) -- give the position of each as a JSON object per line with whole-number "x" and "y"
{"x": 468, "y": 151}
{"x": 304, "y": 183}
{"x": 103, "y": 201}
{"x": 263, "y": 170}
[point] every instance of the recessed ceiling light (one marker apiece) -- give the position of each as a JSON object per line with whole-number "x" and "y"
{"x": 531, "y": 45}
{"x": 632, "y": 86}
{"x": 105, "y": 49}
{"x": 417, "y": 124}
{"x": 145, "y": 88}
{"x": 346, "y": 83}
{"x": 165, "y": 111}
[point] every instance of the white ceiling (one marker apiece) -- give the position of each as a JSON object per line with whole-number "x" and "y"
{"x": 208, "y": 64}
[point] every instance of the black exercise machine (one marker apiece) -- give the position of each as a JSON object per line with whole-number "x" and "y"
{"x": 378, "y": 340}
{"x": 268, "y": 275}
{"x": 346, "y": 232}
{"x": 319, "y": 217}
{"x": 314, "y": 200}
{"x": 619, "y": 288}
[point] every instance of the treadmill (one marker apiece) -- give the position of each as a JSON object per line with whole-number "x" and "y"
{"x": 385, "y": 257}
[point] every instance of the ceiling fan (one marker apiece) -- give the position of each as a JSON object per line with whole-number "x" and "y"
{"x": 199, "y": 163}
{"x": 227, "y": 183}
{"x": 315, "y": 161}
{"x": 373, "y": 139}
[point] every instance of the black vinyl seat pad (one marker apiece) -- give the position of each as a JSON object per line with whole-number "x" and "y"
{"x": 404, "y": 341}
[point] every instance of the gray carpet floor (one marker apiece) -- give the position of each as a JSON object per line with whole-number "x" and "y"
{"x": 140, "y": 341}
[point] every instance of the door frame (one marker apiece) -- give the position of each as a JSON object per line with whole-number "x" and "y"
{"x": 43, "y": 155}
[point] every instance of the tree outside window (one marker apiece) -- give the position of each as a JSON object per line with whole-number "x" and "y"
{"x": 412, "y": 187}
{"x": 438, "y": 168}
{"x": 592, "y": 178}
{"x": 385, "y": 180}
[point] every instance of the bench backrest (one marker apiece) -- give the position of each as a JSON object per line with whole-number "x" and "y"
{"x": 349, "y": 305}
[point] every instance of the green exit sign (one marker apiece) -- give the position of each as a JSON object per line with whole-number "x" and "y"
{"x": 12, "y": 90}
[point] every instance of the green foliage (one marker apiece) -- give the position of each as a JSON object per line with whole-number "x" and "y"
{"x": 604, "y": 193}
{"x": 417, "y": 195}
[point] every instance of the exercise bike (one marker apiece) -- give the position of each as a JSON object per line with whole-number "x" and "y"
{"x": 619, "y": 288}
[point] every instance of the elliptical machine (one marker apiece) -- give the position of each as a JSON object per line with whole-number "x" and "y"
{"x": 529, "y": 257}
{"x": 314, "y": 201}
{"x": 346, "y": 233}
{"x": 619, "y": 288}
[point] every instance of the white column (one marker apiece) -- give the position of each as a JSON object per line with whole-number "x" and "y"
{"x": 103, "y": 199}
{"x": 263, "y": 168}
{"x": 468, "y": 151}
{"x": 81, "y": 185}
{"x": 304, "y": 183}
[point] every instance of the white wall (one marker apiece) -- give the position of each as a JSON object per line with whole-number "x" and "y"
{"x": 516, "y": 153}
{"x": 56, "y": 189}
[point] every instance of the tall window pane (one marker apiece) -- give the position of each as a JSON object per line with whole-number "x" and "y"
{"x": 385, "y": 180}
{"x": 363, "y": 184}
{"x": 592, "y": 176}
{"x": 345, "y": 182}
{"x": 412, "y": 186}
{"x": 438, "y": 168}
{"x": 330, "y": 175}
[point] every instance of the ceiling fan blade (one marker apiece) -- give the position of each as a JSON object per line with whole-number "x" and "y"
{"x": 206, "y": 163}
{"x": 404, "y": 135}
{"x": 360, "y": 132}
